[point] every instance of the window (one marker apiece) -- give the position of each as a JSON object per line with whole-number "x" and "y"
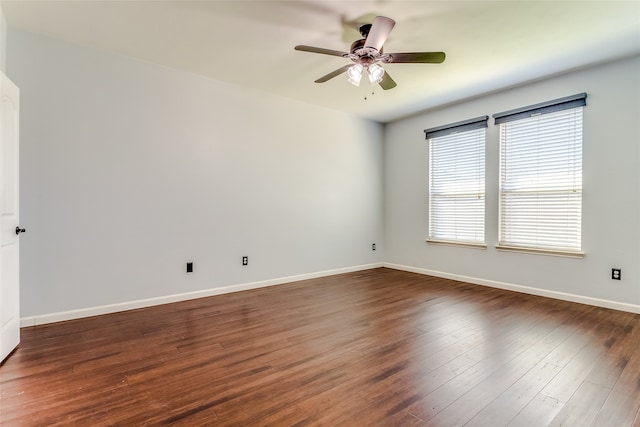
{"x": 456, "y": 182}
{"x": 541, "y": 177}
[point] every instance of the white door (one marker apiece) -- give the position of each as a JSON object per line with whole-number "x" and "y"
{"x": 9, "y": 231}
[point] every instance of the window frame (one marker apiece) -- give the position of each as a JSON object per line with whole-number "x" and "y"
{"x": 446, "y": 131}
{"x": 554, "y": 106}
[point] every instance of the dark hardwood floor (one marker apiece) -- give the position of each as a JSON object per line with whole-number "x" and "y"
{"x": 372, "y": 348}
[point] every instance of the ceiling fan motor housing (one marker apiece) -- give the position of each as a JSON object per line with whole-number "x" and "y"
{"x": 364, "y": 55}
{"x": 364, "y": 30}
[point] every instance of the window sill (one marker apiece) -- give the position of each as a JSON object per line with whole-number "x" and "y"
{"x": 534, "y": 251}
{"x": 462, "y": 244}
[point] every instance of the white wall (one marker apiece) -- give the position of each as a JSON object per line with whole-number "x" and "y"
{"x": 129, "y": 170}
{"x": 611, "y": 203}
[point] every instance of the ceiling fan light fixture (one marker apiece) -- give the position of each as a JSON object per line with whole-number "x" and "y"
{"x": 376, "y": 73}
{"x": 366, "y": 54}
{"x": 354, "y": 74}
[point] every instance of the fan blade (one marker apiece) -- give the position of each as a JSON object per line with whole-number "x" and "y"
{"x": 334, "y": 73}
{"x": 379, "y": 32}
{"x": 416, "y": 57}
{"x": 351, "y": 27}
{"x": 321, "y": 50}
{"x": 387, "y": 82}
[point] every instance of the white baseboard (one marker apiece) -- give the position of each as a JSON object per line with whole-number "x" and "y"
{"x": 131, "y": 305}
{"x": 632, "y": 308}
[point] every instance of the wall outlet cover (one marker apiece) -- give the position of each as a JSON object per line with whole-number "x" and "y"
{"x": 616, "y": 274}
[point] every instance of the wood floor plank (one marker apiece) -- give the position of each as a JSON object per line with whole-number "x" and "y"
{"x": 377, "y": 347}
{"x": 514, "y": 399}
{"x": 499, "y": 378}
{"x": 584, "y": 407}
{"x": 573, "y": 374}
{"x": 620, "y": 408}
{"x": 621, "y": 347}
{"x": 539, "y": 412}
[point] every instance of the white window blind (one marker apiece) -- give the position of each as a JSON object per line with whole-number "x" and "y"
{"x": 541, "y": 176}
{"x": 456, "y": 182}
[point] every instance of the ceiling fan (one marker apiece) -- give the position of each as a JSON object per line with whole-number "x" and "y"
{"x": 367, "y": 53}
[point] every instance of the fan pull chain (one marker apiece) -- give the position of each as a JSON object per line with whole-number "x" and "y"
{"x": 372, "y": 93}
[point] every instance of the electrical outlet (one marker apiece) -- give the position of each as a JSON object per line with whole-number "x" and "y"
{"x": 245, "y": 260}
{"x": 616, "y": 274}
{"x": 373, "y": 246}
{"x": 189, "y": 267}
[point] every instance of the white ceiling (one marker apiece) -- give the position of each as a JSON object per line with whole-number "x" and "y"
{"x": 490, "y": 45}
